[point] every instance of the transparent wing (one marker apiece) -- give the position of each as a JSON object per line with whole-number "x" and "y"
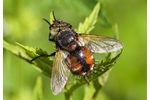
{"x": 99, "y": 44}
{"x": 60, "y": 72}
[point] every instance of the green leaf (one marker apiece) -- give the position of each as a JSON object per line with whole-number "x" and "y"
{"x": 90, "y": 21}
{"x": 38, "y": 94}
{"x": 104, "y": 66}
{"x": 116, "y": 31}
{"x": 103, "y": 78}
{"x": 42, "y": 64}
{"x": 89, "y": 91}
{"x": 51, "y": 17}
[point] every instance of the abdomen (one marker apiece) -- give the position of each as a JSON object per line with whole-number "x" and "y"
{"x": 80, "y": 61}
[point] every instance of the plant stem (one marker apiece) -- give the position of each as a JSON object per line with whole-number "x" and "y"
{"x": 68, "y": 96}
{"x": 95, "y": 94}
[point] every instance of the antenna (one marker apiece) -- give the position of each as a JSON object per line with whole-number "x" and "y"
{"x": 53, "y": 15}
{"x": 46, "y": 21}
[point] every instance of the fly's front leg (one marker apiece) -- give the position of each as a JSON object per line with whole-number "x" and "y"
{"x": 50, "y": 39}
{"x": 44, "y": 55}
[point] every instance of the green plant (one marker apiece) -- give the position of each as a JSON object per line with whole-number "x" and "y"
{"x": 44, "y": 65}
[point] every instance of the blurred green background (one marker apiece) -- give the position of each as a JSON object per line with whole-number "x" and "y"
{"x": 23, "y": 23}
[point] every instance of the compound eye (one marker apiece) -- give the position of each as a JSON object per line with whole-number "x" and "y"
{"x": 53, "y": 27}
{"x": 70, "y": 26}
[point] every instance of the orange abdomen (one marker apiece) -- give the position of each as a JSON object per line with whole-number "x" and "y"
{"x": 80, "y": 61}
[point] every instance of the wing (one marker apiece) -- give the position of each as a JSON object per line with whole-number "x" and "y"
{"x": 60, "y": 72}
{"x": 99, "y": 44}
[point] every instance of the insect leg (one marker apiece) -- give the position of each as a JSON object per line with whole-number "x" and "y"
{"x": 46, "y": 21}
{"x": 50, "y": 39}
{"x": 44, "y": 55}
{"x": 99, "y": 68}
{"x": 49, "y": 33}
{"x": 86, "y": 79}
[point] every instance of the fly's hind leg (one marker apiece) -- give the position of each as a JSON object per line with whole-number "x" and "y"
{"x": 99, "y": 68}
{"x": 86, "y": 79}
{"x": 43, "y": 55}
